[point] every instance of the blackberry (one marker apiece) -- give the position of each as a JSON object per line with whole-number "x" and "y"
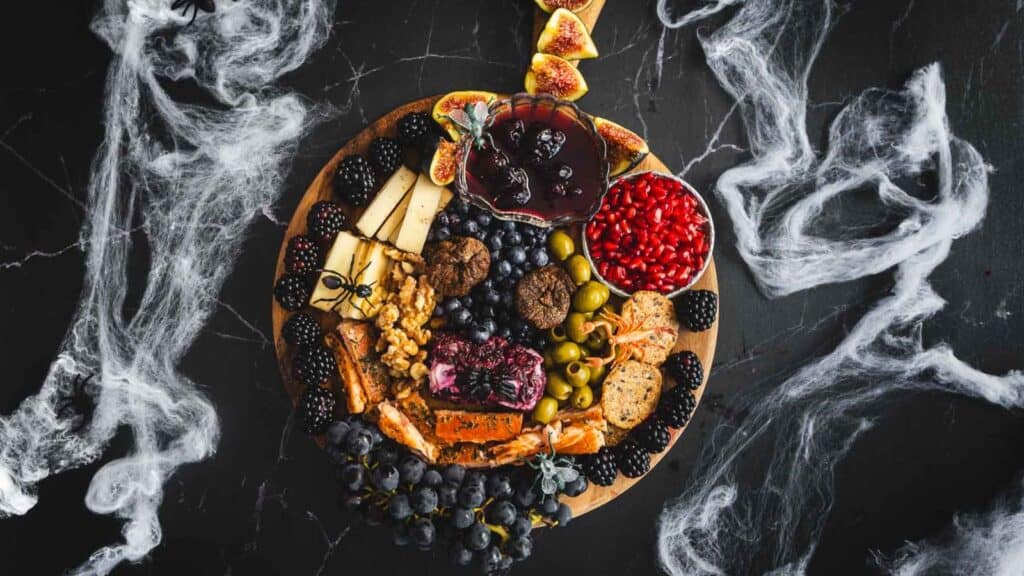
{"x": 600, "y": 467}
{"x": 676, "y": 407}
{"x": 301, "y": 330}
{"x": 414, "y": 127}
{"x": 686, "y": 368}
{"x": 314, "y": 365}
{"x": 698, "y": 309}
{"x": 302, "y": 256}
{"x": 653, "y": 435}
{"x": 317, "y": 409}
{"x": 386, "y": 155}
{"x": 325, "y": 220}
{"x": 354, "y": 180}
{"x": 632, "y": 459}
{"x": 292, "y": 292}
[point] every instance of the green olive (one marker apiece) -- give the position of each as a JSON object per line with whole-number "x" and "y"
{"x": 557, "y": 334}
{"x": 548, "y": 362}
{"x": 574, "y": 327}
{"x": 561, "y": 244}
{"x": 596, "y": 339}
{"x": 558, "y": 388}
{"x": 579, "y": 269}
{"x": 597, "y": 374}
{"x": 577, "y": 373}
{"x": 565, "y": 352}
{"x": 545, "y": 410}
{"x": 582, "y": 397}
{"x": 590, "y": 297}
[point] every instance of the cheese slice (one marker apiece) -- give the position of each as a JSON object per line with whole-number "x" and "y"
{"x": 426, "y": 196}
{"x": 391, "y": 225}
{"x": 339, "y": 262}
{"x": 370, "y": 269}
{"x": 446, "y": 197}
{"x": 386, "y": 201}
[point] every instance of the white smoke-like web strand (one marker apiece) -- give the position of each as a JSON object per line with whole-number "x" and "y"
{"x": 193, "y": 176}
{"x": 780, "y": 203}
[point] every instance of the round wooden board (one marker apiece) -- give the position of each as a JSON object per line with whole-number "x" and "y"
{"x": 702, "y": 343}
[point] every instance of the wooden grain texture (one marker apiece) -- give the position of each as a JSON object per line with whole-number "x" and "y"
{"x": 702, "y": 343}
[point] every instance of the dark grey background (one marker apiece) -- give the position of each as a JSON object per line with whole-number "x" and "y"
{"x": 266, "y": 505}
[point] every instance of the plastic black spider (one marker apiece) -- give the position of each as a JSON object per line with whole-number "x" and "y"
{"x": 207, "y": 6}
{"x": 349, "y": 287}
{"x": 79, "y": 403}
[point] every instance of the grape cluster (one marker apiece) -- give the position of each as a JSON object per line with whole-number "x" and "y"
{"x": 515, "y": 248}
{"x": 480, "y": 516}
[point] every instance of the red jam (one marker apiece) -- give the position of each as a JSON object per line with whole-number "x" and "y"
{"x": 546, "y": 166}
{"x": 651, "y": 233}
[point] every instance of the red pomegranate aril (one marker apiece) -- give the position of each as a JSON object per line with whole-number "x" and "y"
{"x": 649, "y": 234}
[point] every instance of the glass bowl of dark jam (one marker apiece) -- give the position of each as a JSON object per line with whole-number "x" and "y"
{"x": 540, "y": 161}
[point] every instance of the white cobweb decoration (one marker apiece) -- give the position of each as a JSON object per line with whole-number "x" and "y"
{"x": 191, "y": 178}
{"x": 782, "y": 205}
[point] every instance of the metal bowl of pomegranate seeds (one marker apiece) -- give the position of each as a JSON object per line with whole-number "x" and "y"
{"x": 652, "y": 232}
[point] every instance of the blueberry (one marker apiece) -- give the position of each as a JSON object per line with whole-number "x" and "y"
{"x": 424, "y": 500}
{"x": 470, "y": 227}
{"x": 505, "y": 332}
{"x": 471, "y": 495}
{"x": 514, "y": 238}
{"x": 483, "y": 219}
{"x": 452, "y": 304}
{"x": 411, "y": 469}
{"x": 491, "y": 326}
{"x": 460, "y": 206}
{"x": 443, "y": 219}
{"x": 539, "y": 257}
{"x": 492, "y": 297}
{"x": 487, "y": 312}
{"x": 399, "y": 508}
{"x": 563, "y": 515}
{"x": 504, "y": 268}
{"x": 518, "y": 273}
{"x": 521, "y": 527}
{"x": 520, "y": 548}
{"x": 502, "y": 513}
{"x": 478, "y": 334}
{"x": 516, "y": 255}
{"x": 353, "y": 476}
{"x": 508, "y": 226}
{"x": 336, "y": 432}
{"x": 358, "y": 442}
{"x": 499, "y": 486}
{"x": 461, "y": 317}
{"x": 454, "y": 473}
{"x": 576, "y": 487}
{"x": 460, "y": 555}
{"x": 448, "y": 494}
{"x": 494, "y": 243}
{"x": 385, "y": 477}
{"x": 467, "y": 302}
{"x": 477, "y": 537}
{"x": 422, "y": 532}
{"x": 443, "y": 233}
{"x": 462, "y": 518}
{"x": 549, "y": 506}
{"x": 386, "y": 455}
{"x": 431, "y": 478}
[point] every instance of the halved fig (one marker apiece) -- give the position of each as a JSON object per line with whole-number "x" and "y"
{"x": 572, "y": 5}
{"x": 625, "y": 148}
{"x": 556, "y": 76}
{"x": 443, "y": 162}
{"x": 457, "y": 101}
{"x": 566, "y": 36}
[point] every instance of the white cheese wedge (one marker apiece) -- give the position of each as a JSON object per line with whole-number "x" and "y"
{"x": 391, "y": 225}
{"x": 371, "y": 270}
{"x": 386, "y": 201}
{"x": 446, "y": 197}
{"x": 426, "y": 196}
{"x": 339, "y": 261}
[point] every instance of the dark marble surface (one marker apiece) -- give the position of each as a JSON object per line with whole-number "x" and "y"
{"x": 265, "y": 504}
